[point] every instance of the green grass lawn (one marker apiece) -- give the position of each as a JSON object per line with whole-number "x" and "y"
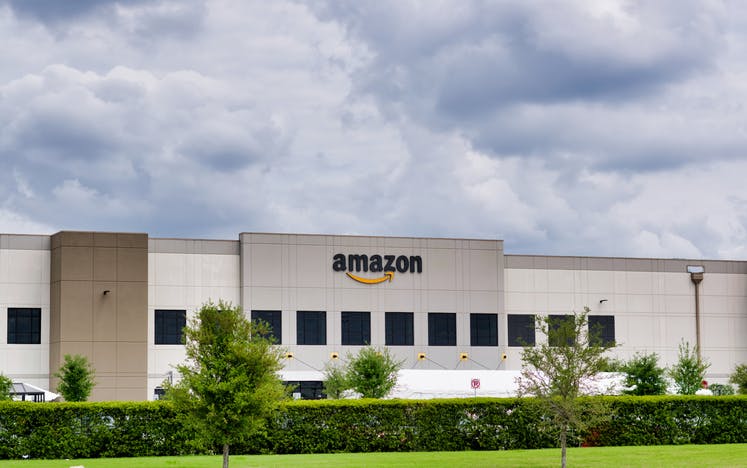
{"x": 711, "y": 456}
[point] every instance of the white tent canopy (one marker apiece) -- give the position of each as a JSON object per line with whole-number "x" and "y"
{"x": 21, "y": 389}
{"x": 425, "y": 384}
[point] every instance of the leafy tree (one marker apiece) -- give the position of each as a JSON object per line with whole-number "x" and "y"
{"x": 644, "y": 376}
{"x": 739, "y": 378}
{"x": 558, "y": 375}
{"x": 335, "y": 381}
{"x": 689, "y": 371}
{"x": 6, "y": 385}
{"x": 76, "y": 378}
{"x": 372, "y": 372}
{"x": 229, "y": 385}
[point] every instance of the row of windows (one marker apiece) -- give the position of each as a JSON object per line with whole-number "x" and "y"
{"x": 24, "y": 327}
{"x": 311, "y": 328}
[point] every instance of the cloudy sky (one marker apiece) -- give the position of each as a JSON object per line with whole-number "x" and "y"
{"x": 566, "y": 127}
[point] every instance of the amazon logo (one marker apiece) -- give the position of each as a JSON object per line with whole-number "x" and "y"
{"x": 385, "y": 264}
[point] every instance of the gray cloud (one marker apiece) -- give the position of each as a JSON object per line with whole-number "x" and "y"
{"x": 524, "y": 79}
{"x": 53, "y": 11}
{"x": 596, "y": 128}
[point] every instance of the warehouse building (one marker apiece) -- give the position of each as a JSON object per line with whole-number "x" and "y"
{"x": 458, "y": 304}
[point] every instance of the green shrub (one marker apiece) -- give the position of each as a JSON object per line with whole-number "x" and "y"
{"x": 372, "y": 373}
{"x": 76, "y": 378}
{"x": 644, "y": 376}
{"x": 6, "y": 385}
{"x": 689, "y": 371}
{"x": 335, "y": 381}
{"x": 739, "y": 378}
{"x": 721, "y": 389}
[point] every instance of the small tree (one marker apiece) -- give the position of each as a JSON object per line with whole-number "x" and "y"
{"x": 6, "y": 385}
{"x": 739, "y": 378}
{"x": 76, "y": 378}
{"x": 229, "y": 385}
{"x": 689, "y": 371}
{"x": 644, "y": 376}
{"x": 372, "y": 372}
{"x": 558, "y": 375}
{"x": 335, "y": 381}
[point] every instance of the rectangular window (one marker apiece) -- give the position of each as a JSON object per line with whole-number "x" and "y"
{"x": 601, "y": 330}
{"x": 441, "y": 329}
{"x": 169, "y": 326}
{"x": 24, "y": 325}
{"x": 521, "y": 330}
{"x": 399, "y": 330}
{"x": 273, "y": 318}
{"x": 307, "y": 389}
{"x": 356, "y": 328}
{"x": 483, "y": 329}
{"x": 562, "y": 329}
{"x": 311, "y": 327}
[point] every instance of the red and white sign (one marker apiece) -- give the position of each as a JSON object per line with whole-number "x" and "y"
{"x": 475, "y": 383}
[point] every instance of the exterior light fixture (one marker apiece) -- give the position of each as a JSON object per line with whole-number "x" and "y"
{"x": 288, "y": 355}
{"x": 504, "y": 356}
{"x": 463, "y": 356}
{"x": 106, "y": 291}
{"x": 421, "y": 356}
{"x": 334, "y": 355}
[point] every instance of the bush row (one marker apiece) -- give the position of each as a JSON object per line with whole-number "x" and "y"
{"x": 674, "y": 420}
{"x": 89, "y": 430}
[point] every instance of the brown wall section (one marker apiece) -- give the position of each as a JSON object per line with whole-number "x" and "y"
{"x": 109, "y": 328}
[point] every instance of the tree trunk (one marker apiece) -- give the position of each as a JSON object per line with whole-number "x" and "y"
{"x": 225, "y": 456}
{"x": 562, "y": 447}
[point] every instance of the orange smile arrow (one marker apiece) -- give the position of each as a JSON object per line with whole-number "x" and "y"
{"x": 387, "y": 277}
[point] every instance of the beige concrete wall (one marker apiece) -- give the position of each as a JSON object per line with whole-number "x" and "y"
{"x": 99, "y": 309}
{"x": 294, "y": 272}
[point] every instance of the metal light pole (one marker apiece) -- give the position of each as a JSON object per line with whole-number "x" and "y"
{"x": 696, "y": 276}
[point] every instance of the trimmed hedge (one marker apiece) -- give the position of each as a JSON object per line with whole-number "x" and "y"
{"x": 406, "y": 425}
{"x": 89, "y": 430}
{"x": 674, "y": 420}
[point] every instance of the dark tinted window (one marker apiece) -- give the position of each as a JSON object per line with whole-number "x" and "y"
{"x": 308, "y": 389}
{"x": 483, "y": 329}
{"x": 601, "y": 330}
{"x": 356, "y": 328}
{"x": 169, "y": 326}
{"x": 24, "y": 325}
{"x": 521, "y": 330}
{"x": 311, "y": 327}
{"x": 399, "y": 330}
{"x": 562, "y": 330}
{"x": 441, "y": 329}
{"x": 273, "y": 319}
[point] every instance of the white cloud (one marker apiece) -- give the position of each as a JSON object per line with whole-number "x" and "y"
{"x": 593, "y": 128}
{"x": 16, "y": 223}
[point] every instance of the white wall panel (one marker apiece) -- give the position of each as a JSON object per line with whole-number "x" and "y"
{"x": 24, "y": 282}
{"x": 185, "y": 281}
